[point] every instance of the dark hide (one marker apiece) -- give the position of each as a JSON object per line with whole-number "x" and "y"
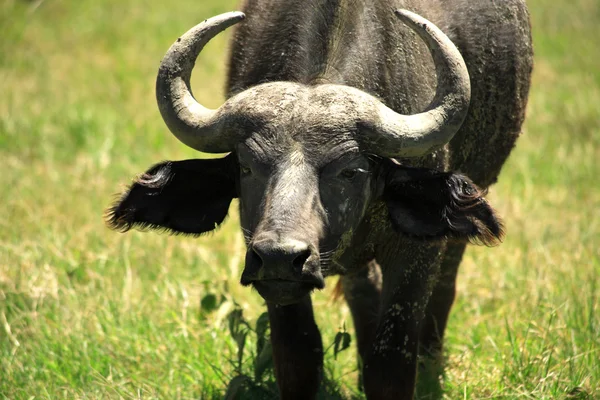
{"x": 361, "y": 44}
{"x": 189, "y": 197}
{"x": 428, "y": 204}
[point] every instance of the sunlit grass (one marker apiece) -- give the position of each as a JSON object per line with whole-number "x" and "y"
{"x": 86, "y": 312}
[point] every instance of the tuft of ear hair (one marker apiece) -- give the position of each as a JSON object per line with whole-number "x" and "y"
{"x": 470, "y": 214}
{"x": 121, "y": 217}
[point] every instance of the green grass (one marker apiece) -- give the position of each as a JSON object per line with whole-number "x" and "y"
{"x": 89, "y": 313}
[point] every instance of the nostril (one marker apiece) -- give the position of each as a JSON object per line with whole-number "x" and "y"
{"x": 252, "y": 269}
{"x": 301, "y": 259}
{"x": 256, "y": 257}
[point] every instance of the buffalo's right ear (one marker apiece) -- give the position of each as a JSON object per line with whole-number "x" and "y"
{"x": 429, "y": 204}
{"x": 190, "y": 197}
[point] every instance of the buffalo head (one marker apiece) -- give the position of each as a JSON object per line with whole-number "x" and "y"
{"x": 307, "y": 163}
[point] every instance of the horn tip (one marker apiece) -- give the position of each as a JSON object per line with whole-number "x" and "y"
{"x": 405, "y": 15}
{"x": 238, "y": 15}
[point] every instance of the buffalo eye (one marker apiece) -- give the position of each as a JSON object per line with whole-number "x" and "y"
{"x": 349, "y": 173}
{"x": 245, "y": 170}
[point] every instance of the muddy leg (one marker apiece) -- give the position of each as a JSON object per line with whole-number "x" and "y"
{"x": 440, "y": 303}
{"x": 362, "y": 290}
{"x": 409, "y": 272}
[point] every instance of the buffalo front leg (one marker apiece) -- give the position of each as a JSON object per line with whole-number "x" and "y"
{"x": 297, "y": 350}
{"x": 362, "y": 291}
{"x": 442, "y": 298}
{"x": 409, "y": 271}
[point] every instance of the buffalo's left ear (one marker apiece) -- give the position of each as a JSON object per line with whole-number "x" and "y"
{"x": 190, "y": 196}
{"x": 428, "y": 204}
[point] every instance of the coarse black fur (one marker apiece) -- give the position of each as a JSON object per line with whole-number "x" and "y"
{"x": 360, "y": 43}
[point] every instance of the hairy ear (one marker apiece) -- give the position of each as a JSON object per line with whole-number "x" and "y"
{"x": 190, "y": 197}
{"x": 429, "y": 204}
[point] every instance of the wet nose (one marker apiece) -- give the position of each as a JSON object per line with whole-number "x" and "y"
{"x": 270, "y": 260}
{"x": 291, "y": 253}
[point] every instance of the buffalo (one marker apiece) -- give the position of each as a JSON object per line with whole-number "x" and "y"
{"x": 361, "y": 139}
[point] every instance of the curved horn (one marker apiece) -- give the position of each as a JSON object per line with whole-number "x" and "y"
{"x": 397, "y": 135}
{"x": 192, "y": 123}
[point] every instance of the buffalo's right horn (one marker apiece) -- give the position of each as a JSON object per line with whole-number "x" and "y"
{"x": 193, "y": 124}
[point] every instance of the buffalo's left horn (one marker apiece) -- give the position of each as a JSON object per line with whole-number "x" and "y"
{"x": 195, "y": 125}
{"x": 395, "y": 135}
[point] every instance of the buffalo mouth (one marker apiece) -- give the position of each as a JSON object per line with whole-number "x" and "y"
{"x": 283, "y": 292}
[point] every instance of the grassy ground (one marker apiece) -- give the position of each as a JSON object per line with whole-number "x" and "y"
{"x": 89, "y": 313}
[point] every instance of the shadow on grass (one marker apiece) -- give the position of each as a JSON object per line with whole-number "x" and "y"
{"x": 256, "y": 380}
{"x": 429, "y": 380}
{"x": 429, "y": 387}
{"x": 245, "y": 389}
